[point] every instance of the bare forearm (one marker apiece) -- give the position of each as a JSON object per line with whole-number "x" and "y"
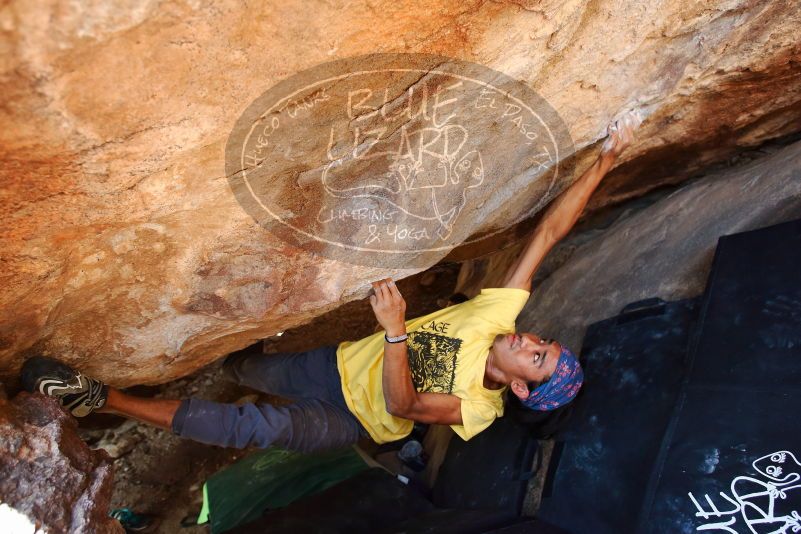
{"x": 400, "y": 396}
{"x": 399, "y": 393}
{"x": 557, "y": 221}
{"x": 156, "y": 412}
{"x": 565, "y": 210}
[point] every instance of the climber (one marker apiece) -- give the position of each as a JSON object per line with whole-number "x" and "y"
{"x": 450, "y": 367}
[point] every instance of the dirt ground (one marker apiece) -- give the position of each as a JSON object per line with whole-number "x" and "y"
{"x": 160, "y": 474}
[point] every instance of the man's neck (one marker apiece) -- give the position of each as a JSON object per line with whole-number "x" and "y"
{"x": 494, "y": 378}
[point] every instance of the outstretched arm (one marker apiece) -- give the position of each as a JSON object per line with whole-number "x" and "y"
{"x": 565, "y": 210}
{"x": 402, "y": 399}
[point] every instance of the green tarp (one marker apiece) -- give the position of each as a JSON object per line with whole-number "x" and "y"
{"x": 270, "y": 479}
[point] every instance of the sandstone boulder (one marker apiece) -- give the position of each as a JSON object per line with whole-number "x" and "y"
{"x": 124, "y": 250}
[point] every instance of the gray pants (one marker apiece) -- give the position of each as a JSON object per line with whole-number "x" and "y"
{"x": 318, "y": 419}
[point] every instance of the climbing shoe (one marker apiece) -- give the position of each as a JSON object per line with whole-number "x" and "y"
{"x": 79, "y": 394}
{"x": 133, "y": 521}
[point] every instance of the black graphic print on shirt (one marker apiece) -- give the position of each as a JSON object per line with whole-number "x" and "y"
{"x": 432, "y": 361}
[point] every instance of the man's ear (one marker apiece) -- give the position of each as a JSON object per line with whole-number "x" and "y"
{"x": 520, "y": 389}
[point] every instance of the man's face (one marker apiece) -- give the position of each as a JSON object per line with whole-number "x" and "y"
{"x": 527, "y": 358}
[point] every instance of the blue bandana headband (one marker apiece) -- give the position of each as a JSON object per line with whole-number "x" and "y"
{"x": 561, "y": 388}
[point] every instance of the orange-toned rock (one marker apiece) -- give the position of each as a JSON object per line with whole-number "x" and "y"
{"x": 124, "y": 250}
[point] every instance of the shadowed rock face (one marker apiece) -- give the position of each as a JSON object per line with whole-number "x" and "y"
{"x": 48, "y": 476}
{"x": 123, "y": 248}
{"x": 666, "y": 249}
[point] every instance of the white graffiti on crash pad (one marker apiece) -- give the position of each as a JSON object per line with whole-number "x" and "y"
{"x": 753, "y": 501}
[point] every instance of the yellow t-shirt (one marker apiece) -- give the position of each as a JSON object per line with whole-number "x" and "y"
{"x": 447, "y": 352}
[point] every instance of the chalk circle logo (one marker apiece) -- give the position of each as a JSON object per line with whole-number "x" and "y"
{"x": 395, "y": 159}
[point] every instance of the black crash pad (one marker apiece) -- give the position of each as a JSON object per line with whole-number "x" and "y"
{"x": 633, "y": 366}
{"x": 731, "y": 455}
{"x": 490, "y": 471}
{"x": 750, "y": 330}
{"x": 716, "y": 448}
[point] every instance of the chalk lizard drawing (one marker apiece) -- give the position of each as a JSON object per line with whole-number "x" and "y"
{"x": 426, "y": 176}
{"x": 755, "y": 499}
